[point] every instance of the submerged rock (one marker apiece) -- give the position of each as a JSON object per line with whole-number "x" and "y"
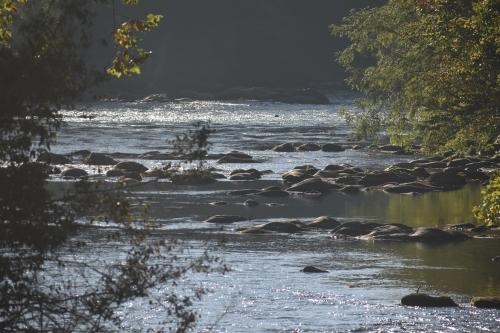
{"x": 99, "y": 159}
{"x": 295, "y": 176}
{"x": 394, "y": 232}
{"x": 486, "y": 302}
{"x": 413, "y": 187}
{"x": 425, "y": 300}
{"x": 312, "y": 269}
{"x": 447, "y": 180}
{"x": 115, "y": 173}
{"x": 192, "y": 179}
{"x": 273, "y": 193}
{"x": 381, "y": 178}
{"x": 434, "y": 235}
{"x": 225, "y": 219}
{"x": 243, "y": 177}
{"x": 355, "y": 229}
{"x": 281, "y": 227}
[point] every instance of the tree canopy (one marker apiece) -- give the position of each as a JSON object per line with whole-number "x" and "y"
{"x": 428, "y": 70}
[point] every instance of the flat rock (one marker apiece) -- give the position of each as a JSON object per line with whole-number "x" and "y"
{"x": 313, "y": 184}
{"x": 324, "y": 222}
{"x": 131, "y": 166}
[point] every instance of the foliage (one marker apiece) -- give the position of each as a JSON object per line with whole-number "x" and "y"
{"x": 45, "y": 285}
{"x": 428, "y": 69}
{"x": 488, "y": 212}
{"x": 194, "y": 144}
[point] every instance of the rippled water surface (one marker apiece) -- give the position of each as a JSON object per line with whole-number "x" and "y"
{"x": 265, "y": 291}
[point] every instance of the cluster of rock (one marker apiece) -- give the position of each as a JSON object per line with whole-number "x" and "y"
{"x": 424, "y": 300}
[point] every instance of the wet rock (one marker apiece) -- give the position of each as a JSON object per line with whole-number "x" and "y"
{"x": 460, "y": 162}
{"x": 99, "y": 159}
{"x": 74, "y": 173}
{"x": 392, "y": 149}
{"x": 394, "y": 232}
{"x": 132, "y": 175}
{"x": 351, "y": 189}
{"x": 486, "y": 302}
{"x": 357, "y": 147}
{"x": 251, "y": 203}
{"x": 237, "y": 157}
{"x": 312, "y": 269}
{"x": 433, "y": 165}
{"x": 334, "y": 167}
{"x": 326, "y": 174}
{"x": 284, "y": 148}
{"x": 81, "y": 153}
{"x": 216, "y": 175}
{"x": 420, "y": 172}
{"x": 274, "y": 192}
{"x": 243, "y": 177}
{"x": 281, "y": 227}
{"x": 115, "y": 173}
{"x": 425, "y": 300}
{"x": 192, "y": 179}
{"x": 355, "y": 229}
{"x": 446, "y": 180}
{"x": 479, "y": 229}
{"x": 253, "y": 172}
{"x": 309, "y": 147}
{"x": 243, "y": 192}
{"x": 295, "y": 176}
{"x": 348, "y": 180}
{"x": 309, "y": 169}
{"x": 225, "y": 219}
{"x": 437, "y": 236}
{"x": 131, "y": 166}
{"x": 332, "y": 148}
{"x": 128, "y": 181}
{"x": 476, "y": 175}
{"x": 324, "y": 222}
{"x": 462, "y": 226}
{"x": 384, "y": 177}
{"x": 414, "y": 187}
{"x": 403, "y": 165}
{"x": 52, "y": 158}
{"x": 156, "y": 173}
{"x": 313, "y": 184}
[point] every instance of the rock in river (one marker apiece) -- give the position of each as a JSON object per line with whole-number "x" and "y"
{"x": 309, "y": 147}
{"x": 355, "y": 229}
{"x": 225, "y": 219}
{"x": 284, "y": 148}
{"x": 425, "y": 300}
{"x": 434, "y": 235}
{"x": 486, "y": 302}
{"x": 74, "y": 172}
{"x": 381, "y": 178}
{"x": 131, "y": 166}
{"x": 324, "y": 222}
{"x": 332, "y": 148}
{"x": 312, "y": 269}
{"x": 313, "y": 184}
{"x": 447, "y": 180}
{"x": 99, "y": 159}
{"x": 52, "y": 158}
{"x": 283, "y": 227}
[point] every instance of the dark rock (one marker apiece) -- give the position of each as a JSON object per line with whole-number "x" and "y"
{"x": 253, "y": 172}
{"x": 324, "y": 222}
{"x": 355, "y": 229}
{"x": 99, "y": 159}
{"x": 281, "y": 227}
{"x": 274, "y": 193}
{"x": 332, "y": 148}
{"x": 243, "y": 177}
{"x": 424, "y": 300}
{"x": 309, "y": 169}
{"x": 251, "y": 203}
{"x": 403, "y": 165}
{"x": 115, "y": 173}
{"x": 74, "y": 172}
{"x": 225, "y": 219}
{"x": 462, "y": 226}
{"x": 479, "y": 229}
{"x": 351, "y": 189}
{"x": 312, "y": 269}
{"x": 313, "y": 184}
{"x": 192, "y": 179}
{"x": 357, "y": 147}
{"x": 157, "y": 173}
{"x": 486, "y": 302}
{"x": 295, "y": 176}
{"x": 446, "y": 180}
{"x": 438, "y": 236}
{"x": 52, "y": 158}
{"x": 309, "y": 147}
{"x": 216, "y": 175}
{"x": 326, "y": 174}
{"x": 414, "y": 187}
{"x": 458, "y": 162}
{"x": 131, "y": 166}
{"x": 132, "y": 175}
{"x": 391, "y": 148}
{"x": 348, "y": 180}
{"x": 433, "y": 165}
{"x": 243, "y": 192}
{"x": 396, "y": 232}
{"x": 81, "y": 153}
{"x": 420, "y": 172}
{"x": 156, "y": 155}
{"x": 284, "y": 148}
{"x": 381, "y": 178}
{"x": 334, "y": 167}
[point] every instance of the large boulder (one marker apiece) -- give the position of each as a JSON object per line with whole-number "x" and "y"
{"x": 334, "y": 167}
{"x": 437, "y": 236}
{"x": 355, "y": 229}
{"x": 486, "y": 302}
{"x": 131, "y": 166}
{"x": 324, "y": 222}
{"x": 313, "y": 184}
{"x": 225, "y": 219}
{"x": 425, "y": 300}
{"x": 332, "y": 148}
{"x": 99, "y": 159}
{"x": 396, "y": 232}
{"x": 74, "y": 172}
{"x": 284, "y": 148}
{"x": 447, "y": 180}
{"x": 309, "y": 147}
{"x": 51, "y": 158}
{"x": 385, "y": 177}
{"x": 413, "y": 187}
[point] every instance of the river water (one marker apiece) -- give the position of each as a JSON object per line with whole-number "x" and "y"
{"x": 265, "y": 291}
